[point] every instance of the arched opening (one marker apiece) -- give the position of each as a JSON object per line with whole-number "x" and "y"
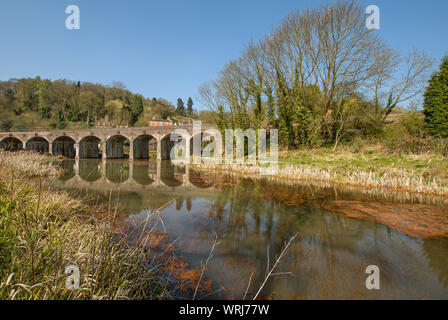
{"x": 89, "y": 148}
{"x": 117, "y": 147}
{"x": 167, "y": 145}
{"x": 143, "y": 145}
{"x": 200, "y": 137}
{"x": 64, "y": 146}
{"x": 116, "y": 172}
{"x": 11, "y": 144}
{"x": 38, "y": 144}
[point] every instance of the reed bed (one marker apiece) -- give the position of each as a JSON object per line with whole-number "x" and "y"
{"x": 43, "y": 231}
{"x": 27, "y": 164}
{"x": 394, "y": 179}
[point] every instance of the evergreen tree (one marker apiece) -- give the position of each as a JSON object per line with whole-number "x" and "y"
{"x": 5, "y": 125}
{"x": 180, "y": 110}
{"x": 136, "y": 108}
{"x": 302, "y": 118}
{"x": 285, "y": 128}
{"x": 221, "y": 121}
{"x": 436, "y": 102}
{"x": 190, "y": 107}
{"x": 271, "y": 108}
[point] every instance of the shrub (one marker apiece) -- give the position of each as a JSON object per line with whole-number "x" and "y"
{"x": 408, "y": 135}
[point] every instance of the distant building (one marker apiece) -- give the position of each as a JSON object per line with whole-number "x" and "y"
{"x": 161, "y": 123}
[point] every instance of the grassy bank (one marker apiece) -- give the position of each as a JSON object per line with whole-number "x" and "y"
{"x": 369, "y": 167}
{"x": 43, "y": 231}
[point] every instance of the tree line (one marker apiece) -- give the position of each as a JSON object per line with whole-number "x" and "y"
{"x": 35, "y": 102}
{"x": 320, "y": 77}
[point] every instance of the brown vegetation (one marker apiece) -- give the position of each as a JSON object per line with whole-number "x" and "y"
{"x": 415, "y": 220}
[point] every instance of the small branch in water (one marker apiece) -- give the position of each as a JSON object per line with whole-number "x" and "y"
{"x": 215, "y": 242}
{"x": 157, "y": 212}
{"x": 248, "y": 286}
{"x": 271, "y": 272}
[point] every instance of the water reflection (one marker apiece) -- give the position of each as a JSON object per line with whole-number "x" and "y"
{"x": 254, "y": 219}
{"x": 97, "y": 173}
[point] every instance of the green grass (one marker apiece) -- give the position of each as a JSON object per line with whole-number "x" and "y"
{"x": 368, "y": 167}
{"x": 370, "y": 159}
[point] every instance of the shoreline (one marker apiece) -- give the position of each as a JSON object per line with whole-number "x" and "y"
{"x": 362, "y": 180}
{"x": 43, "y": 231}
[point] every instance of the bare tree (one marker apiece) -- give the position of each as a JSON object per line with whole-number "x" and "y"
{"x": 328, "y": 49}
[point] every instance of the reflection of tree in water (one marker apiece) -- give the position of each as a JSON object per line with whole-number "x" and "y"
{"x": 179, "y": 203}
{"x": 188, "y": 204}
{"x": 113, "y": 199}
{"x": 130, "y": 201}
{"x": 200, "y": 179}
{"x": 435, "y": 251}
{"x": 328, "y": 257}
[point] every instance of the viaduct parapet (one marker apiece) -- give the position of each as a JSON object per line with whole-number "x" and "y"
{"x": 98, "y": 143}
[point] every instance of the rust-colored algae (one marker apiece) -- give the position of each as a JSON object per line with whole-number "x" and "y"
{"x": 415, "y": 220}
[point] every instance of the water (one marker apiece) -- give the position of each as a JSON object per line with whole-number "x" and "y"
{"x": 253, "y": 221}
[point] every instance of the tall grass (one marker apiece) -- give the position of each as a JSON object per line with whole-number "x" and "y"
{"x": 395, "y": 179}
{"x": 43, "y": 231}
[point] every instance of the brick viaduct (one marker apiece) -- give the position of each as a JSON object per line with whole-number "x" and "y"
{"x": 96, "y": 143}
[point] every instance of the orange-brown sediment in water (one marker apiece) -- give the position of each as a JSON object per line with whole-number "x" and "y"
{"x": 416, "y": 220}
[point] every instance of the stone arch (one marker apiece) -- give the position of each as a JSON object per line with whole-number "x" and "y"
{"x": 143, "y": 144}
{"x": 63, "y": 146}
{"x": 167, "y": 145}
{"x": 37, "y": 144}
{"x": 89, "y": 147}
{"x": 11, "y": 144}
{"x": 115, "y": 146}
{"x": 201, "y": 135}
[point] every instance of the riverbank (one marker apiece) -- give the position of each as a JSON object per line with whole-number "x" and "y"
{"x": 368, "y": 168}
{"x": 43, "y": 231}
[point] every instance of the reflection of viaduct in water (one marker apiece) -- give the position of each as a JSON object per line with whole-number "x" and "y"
{"x": 132, "y": 176}
{"x": 99, "y": 143}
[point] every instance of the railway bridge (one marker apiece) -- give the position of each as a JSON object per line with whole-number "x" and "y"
{"x": 106, "y": 143}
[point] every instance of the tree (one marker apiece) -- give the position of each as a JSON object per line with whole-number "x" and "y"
{"x": 190, "y": 107}
{"x": 5, "y": 125}
{"x": 136, "y": 108}
{"x": 301, "y": 76}
{"x": 180, "y": 110}
{"x": 436, "y": 102}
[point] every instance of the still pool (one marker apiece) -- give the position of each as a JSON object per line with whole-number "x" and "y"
{"x": 253, "y": 219}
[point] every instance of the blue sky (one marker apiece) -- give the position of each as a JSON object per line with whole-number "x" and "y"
{"x": 168, "y": 48}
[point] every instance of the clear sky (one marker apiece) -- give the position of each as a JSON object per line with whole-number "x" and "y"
{"x": 168, "y": 48}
